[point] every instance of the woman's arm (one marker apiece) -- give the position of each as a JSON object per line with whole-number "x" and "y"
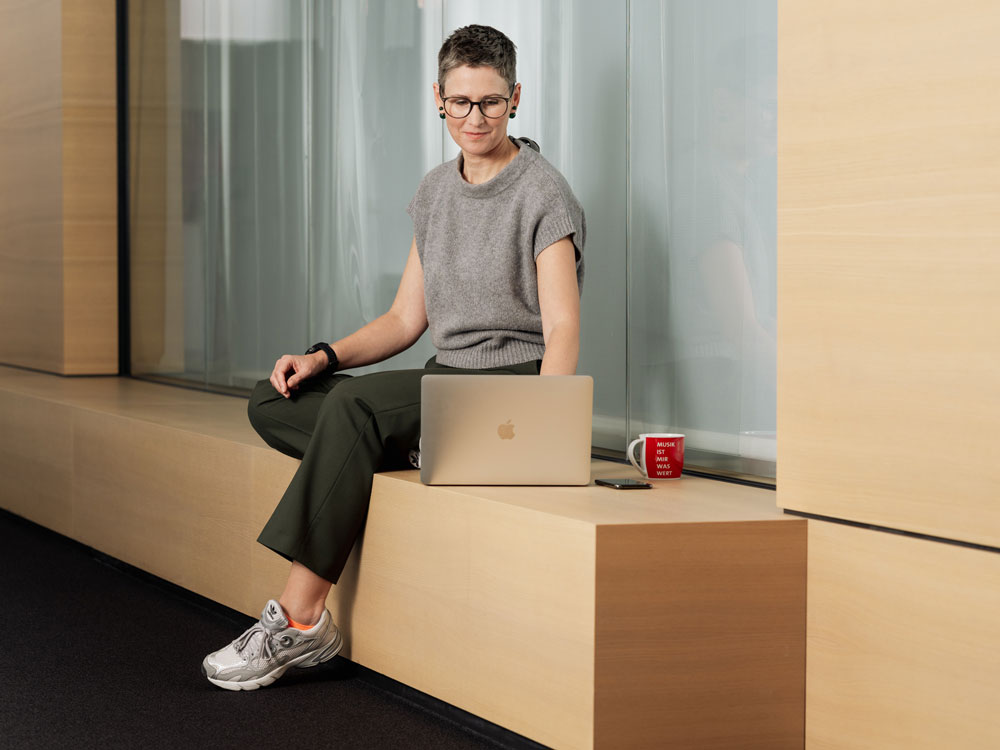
{"x": 396, "y": 330}
{"x": 559, "y": 300}
{"x": 387, "y": 335}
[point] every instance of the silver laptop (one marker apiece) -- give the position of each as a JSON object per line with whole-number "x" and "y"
{"x": 505, "y": 429}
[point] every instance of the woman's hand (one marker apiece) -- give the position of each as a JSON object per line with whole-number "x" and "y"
{"x": 301, "y": 366}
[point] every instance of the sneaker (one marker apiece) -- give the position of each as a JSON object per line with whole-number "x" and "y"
{"x": 263, "y": 653}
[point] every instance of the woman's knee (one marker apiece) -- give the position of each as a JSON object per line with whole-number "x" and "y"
{"x": 263, "y": 394}
{"x": 265, "y": 413}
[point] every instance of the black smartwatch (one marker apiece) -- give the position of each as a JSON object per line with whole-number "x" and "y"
{"x": 332, "y": 362}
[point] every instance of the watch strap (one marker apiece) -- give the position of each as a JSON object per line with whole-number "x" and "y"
{"x": 331, "y": 355}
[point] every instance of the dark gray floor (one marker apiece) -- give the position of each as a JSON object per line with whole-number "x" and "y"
{"x": 96, "y": 654}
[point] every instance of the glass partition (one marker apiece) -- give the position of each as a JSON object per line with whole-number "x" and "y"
{"x": 369, "y": 119}
{"x": 276, "y": 143}
{"x": 702, "y": 228}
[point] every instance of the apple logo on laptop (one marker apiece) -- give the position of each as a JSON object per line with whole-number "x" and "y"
{"x": 506, "y": 431}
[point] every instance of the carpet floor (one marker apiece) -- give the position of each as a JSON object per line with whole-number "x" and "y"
{"x": 98, "y": 655}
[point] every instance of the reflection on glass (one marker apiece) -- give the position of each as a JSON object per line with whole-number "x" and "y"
{"x": 703, "y": 145}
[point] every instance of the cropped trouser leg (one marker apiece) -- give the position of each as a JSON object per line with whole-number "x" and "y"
{"x": 344, "y": 429}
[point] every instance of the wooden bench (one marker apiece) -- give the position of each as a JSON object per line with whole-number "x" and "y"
{"x": 579, "y": 617}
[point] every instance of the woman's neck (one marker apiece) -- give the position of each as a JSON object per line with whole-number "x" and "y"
{"x": 477, "y": 169}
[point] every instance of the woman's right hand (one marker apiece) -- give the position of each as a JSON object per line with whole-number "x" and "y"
{"x": 301, "y": 366}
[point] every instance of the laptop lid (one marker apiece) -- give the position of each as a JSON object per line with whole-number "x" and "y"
{"x": 506, "y": 429}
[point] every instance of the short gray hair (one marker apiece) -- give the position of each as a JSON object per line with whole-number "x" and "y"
{"x": 478, "y": 46}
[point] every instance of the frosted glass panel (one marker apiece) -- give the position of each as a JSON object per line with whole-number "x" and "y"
{"x": 370, "y": 104}
{"x": 244, "y": 185}
{"x": 295, "y": 132}
{"x": 702, "y": 305}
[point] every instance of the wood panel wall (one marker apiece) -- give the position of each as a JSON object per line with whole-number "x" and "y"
{"x": 889, "y": 360}
{"x": 31, "y": 272}
{"x": 902, "y": 642}
{"x": 889, "y": 264}
{"x": 58, "y": 186}
{"x": 90, "y": 188}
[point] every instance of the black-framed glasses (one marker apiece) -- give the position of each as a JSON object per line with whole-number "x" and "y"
{"x": 493, "y": 107}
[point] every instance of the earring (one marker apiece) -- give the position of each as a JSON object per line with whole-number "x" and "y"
{"x": 441, "y": 110}
{"x": 513, "y": 112}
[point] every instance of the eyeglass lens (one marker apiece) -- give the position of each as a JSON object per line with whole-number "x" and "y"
{"x": 491, "y": 107}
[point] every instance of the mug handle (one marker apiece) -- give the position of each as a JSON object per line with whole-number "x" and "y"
{"x": 631, "y": 455}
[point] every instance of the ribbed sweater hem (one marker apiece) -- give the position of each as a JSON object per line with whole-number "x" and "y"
{"x": 478, "y": 358}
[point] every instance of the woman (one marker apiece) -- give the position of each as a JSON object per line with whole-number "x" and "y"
{"x": 495, "y": 270}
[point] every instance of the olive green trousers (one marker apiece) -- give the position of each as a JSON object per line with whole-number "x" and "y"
{"x": 344, "y": 429}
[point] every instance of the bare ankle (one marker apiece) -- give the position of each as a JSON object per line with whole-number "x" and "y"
{"x": 304, "y": 597}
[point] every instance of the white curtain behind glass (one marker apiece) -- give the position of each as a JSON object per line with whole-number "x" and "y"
{"x": 369, "y": 103}
{"x": 308, "y": 125}
{"x": 702, "y": 230}
{"x": 244, "y": 186}
{"x": 571, "y": 65}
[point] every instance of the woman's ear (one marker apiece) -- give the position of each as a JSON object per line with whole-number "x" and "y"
{"x": 438, "y": 101}
{"x": 515, "y": 98}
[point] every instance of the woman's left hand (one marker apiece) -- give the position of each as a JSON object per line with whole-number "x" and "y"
{"x": 301, "y": 366}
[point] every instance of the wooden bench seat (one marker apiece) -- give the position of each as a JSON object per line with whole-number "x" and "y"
{"x": 579, "y": 617}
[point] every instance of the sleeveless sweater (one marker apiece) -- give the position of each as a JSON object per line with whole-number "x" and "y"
{"x": 478, "y": 244}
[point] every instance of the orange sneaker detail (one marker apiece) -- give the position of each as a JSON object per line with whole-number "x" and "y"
{"x": 298, "y": 625}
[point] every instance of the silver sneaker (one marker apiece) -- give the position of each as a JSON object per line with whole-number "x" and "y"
{"x": 263, "y": 653}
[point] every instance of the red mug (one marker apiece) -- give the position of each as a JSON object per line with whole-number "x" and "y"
{"x": 662, "y": 455}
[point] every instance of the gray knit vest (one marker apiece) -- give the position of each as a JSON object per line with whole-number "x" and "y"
{"x": 478, "y": 245}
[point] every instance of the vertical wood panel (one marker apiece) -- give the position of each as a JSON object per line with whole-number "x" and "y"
{"x": 902, "y": 643}
{"x": 31, "y": 311}
{"x": 58, "y": 186}
{"x": 701, "y": 636}
{"x": 485, "y": 605}
{"x": 90, "y": 188}
{"x": 889, "y": 264}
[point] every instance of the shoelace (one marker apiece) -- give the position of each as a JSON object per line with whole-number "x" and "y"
{"x": 266, "y": 641}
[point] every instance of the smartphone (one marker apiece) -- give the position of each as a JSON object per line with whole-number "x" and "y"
{"x": 624, "y": 484}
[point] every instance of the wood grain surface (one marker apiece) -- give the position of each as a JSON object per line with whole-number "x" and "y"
{"x": 889, "y": 264}
{"x": 701, "y": 635}
{"x": 31, "y": 273}
{"x": 903, "y": 645}
{"x": 580, "y": 617}
{"x": 58, "y": 186}
{"x": 89, "y": 188}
